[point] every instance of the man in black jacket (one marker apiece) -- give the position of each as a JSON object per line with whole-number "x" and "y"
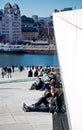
{"x": 38, "y": 84}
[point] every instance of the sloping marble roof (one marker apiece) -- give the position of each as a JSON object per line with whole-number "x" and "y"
{"x": 68, "y": 34}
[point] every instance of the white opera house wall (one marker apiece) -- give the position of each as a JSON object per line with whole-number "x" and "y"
{"x": 68, "y": 35}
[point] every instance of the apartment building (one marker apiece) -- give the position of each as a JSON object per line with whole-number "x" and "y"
{"x": 10, "y": 23}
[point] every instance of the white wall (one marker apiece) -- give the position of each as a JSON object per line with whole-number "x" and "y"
{"x": 68, "y": 33}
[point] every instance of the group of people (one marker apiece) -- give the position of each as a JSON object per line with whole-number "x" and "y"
{"x": 52, "y": 101}
{"x": 35, "y": 71}
{"x": 53, "y": 98}
{"x": 32, "y": 71}
{"x": 6, "y": 70}
{"x": 43, "y": 84}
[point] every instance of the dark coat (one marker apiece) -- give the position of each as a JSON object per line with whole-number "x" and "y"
{"x": 61, "y": 103}
{"x": 54, "y": 104}
{"x": 40, "y": 85}
{"x": 30, "y": 73}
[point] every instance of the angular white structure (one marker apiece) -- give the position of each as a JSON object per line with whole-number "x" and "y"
{"x": 68, "y": 34}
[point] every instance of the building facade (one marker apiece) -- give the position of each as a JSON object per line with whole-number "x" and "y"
{"x": 10, "y": 23}
{"x": 29, "y": 33}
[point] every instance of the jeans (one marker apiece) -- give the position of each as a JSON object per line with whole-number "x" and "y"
{"x": 37, "y": 106}
{"x": 46, "y": 86}
{"x": 9, "y": 75}
{"x": 40, "y": 101}
{"x": 38, "y": 109}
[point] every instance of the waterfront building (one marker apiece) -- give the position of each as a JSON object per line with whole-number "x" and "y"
{"x": 10, "y": 23}
{"x": 29, "y": 33}
{"x": 44, "y": 32}
{"x": 51, "y": 31}
{"x": 29, "y": 29}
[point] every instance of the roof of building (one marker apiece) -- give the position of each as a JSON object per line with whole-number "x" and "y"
{"x": 8, "y": 6}
{"x": 27, "y": 19}
{"x": 29, "y": 29}
{"x": 15, "y": 6}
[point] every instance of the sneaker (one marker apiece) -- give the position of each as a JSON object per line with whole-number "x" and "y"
{"x": 31, "y": 88}
{"x": 24, "y": 109}
{"x": 33, "y": 105}
{"x": 25, "y": 106}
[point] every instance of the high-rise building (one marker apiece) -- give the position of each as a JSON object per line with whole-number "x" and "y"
{"x": 10, "y": 23}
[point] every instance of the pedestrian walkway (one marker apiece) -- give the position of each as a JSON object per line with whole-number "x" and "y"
{"x": 13, "y": 93}
{"x": 18, "y": 76}
{"x": 12, "y": 117}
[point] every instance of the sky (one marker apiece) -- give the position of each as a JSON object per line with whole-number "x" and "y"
{"x": 42, "y": 8}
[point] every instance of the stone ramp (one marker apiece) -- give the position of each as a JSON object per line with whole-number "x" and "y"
{"x": 12, "y": 117}
{"x": 16, "y": 127}
{"x": 13, "y": 93}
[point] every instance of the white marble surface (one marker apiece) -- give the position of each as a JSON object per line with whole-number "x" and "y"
{"x": 68, "y": 33}
{"x": 12, "y": 117}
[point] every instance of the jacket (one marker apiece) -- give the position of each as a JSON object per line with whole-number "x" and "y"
{"x": 53, "y": 107}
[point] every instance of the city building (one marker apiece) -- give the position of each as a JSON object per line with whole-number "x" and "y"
{"x": 29, "y": 28}
{"x": 29, "y": 33}
{"x": 44, "y": 32}
{"x": 15, "y": 28}
{"x": 10, "y": 23}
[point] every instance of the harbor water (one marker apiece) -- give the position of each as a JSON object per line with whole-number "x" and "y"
{"x": 28, "y": 59}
